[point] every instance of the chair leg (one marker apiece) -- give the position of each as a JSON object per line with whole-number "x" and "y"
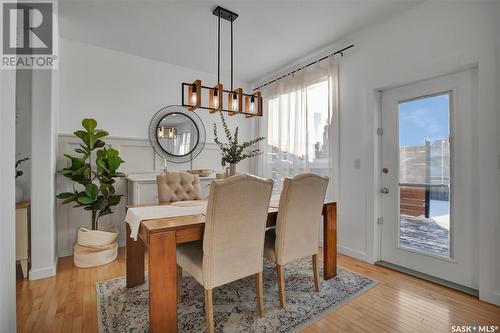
{"x": 316, "y": 271}
{"x": 179, "y": 283}
{"x": 281, "y": 285}
{"x": 209, "y": 310}
{"x": 260, "y": 294}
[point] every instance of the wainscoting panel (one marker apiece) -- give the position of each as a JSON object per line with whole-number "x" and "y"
{"x": 139, "y": 157}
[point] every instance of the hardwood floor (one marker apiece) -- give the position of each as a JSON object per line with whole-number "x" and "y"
{"x": 399, "y": 303}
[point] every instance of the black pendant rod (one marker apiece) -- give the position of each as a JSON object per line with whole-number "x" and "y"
{"x": 341, "y": 51}
{"x": 218, "y": 50}
{"x": 231, "y": 55}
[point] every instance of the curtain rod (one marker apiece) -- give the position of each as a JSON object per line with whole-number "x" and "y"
{"x": 341, "y": 51}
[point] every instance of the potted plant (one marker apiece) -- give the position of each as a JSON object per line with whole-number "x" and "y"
{"x": 94, "y": 192}
{"x": 19, "y": 173}
{"x": 233, "y": 152}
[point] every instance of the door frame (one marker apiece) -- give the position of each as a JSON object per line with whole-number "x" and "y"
{"x": 379, "y": 176}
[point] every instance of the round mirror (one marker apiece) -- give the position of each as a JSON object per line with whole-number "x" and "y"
{"x": 176, "y": 134}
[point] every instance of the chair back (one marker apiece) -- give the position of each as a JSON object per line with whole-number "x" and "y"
{"x": 235, "y": 224}
{"x": 178, "y": 186}
{"x": 299, "y": 216}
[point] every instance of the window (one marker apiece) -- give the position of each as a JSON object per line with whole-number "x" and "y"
{"x": 298, "y": 133}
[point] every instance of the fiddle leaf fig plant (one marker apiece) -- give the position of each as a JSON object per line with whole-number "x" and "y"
{"x": 96, "y": 192}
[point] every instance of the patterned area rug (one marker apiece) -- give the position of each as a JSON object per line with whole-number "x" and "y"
{"x": 126, "y": 310}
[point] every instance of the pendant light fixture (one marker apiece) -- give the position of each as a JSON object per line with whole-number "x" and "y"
{"x": 237, "y": 102}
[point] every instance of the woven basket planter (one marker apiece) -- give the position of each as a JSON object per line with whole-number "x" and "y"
{"x": 95, "y": 247}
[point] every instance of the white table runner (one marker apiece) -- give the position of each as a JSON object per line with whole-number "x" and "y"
{"x": 136, "y": 215}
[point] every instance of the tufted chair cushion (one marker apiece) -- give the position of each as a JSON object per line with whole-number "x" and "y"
{"x": 178, "y": 186}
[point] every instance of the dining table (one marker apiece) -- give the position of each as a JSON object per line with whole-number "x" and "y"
{"x": 158, "y": 238}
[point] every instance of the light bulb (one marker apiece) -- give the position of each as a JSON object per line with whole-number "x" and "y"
{"x": 234, "y": 104}
{"x": 216, "y": 99}
{"x": 171, "y": 133}
{"x": 160, "y": 133}
{"x": 194, "y": 95}
{"x": 252, "y": 105}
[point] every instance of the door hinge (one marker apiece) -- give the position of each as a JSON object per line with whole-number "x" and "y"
{"x": 380, "y": 131}
{"x": 380, "y": 220}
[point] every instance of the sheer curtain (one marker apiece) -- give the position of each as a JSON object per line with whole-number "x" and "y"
{"x": 300, "y": 124}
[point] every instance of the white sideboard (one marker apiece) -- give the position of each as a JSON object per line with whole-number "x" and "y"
{"x": 142, "y": 188}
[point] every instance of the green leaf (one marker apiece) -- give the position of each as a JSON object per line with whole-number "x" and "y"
{"x": 112, "y": 152}
{"x": 105, "y": 190}
{"x": 102, "y": 165}
{"x": 106, "y": 211}
{"x": 117, "y": 174}
{"x": 89, "y": 124}
{"x": 114, "y": 163}
{"x": 114, "y": 200}
{"x": 91, "y": 190}
{"x": 100, "y": 134}
{"x": 84, "y": 137}
{"x": 65, "y": 195}
{"x": 101, "y": 153}
{"x": 85, "y": 200}
{"x": 99, "y": 144}
{"x": 69, "y": 200}
{"x": 100, "y": 203}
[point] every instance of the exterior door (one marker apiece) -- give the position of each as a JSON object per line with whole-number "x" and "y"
{"x": 427, "y": 181}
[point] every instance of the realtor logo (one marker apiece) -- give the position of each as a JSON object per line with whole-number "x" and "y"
{"x": 29, "y": 34}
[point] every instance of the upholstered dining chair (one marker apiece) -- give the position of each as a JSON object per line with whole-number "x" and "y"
{"x": 233, "y": 240}
{"x": 178, "y": 186}
{"x": 296, "y": 235}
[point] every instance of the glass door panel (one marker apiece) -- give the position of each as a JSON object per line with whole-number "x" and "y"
{"x": 424, "y": 174}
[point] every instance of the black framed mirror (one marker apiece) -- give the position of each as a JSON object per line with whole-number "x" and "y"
{"x": 177, "y": 134}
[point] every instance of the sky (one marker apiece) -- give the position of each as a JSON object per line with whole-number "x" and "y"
{"x": 425, "y": 118}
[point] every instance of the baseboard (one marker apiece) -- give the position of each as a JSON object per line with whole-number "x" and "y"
{"x": 45, "y": 272}
{"x": 433, "y": 279}
{"x": 354, "y": 254}
{"x": 493, "y": 298}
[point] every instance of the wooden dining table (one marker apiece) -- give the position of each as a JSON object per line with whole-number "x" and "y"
{"x": 161, "y": 236}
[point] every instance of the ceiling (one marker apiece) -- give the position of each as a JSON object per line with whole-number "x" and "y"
{"x": 268, "y": 34}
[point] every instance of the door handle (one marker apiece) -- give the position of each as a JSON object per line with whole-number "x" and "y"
{"x": 384, "y": 190}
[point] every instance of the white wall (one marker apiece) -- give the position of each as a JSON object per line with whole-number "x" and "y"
{"x": 43, "y": 180}
{"x": 498, "y": 144}
{"x": 122, "y": 92}
{"x": 433, "y": 38}
{"x": 7, "y": 202}
{"x": 23, "y": 129}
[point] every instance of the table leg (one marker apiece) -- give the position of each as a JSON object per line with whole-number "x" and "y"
{"x": 329, "y": 241}
{"x": 162, "y": 263}
{"x": 135, "y": 260}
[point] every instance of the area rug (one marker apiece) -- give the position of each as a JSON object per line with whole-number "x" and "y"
{"x": 126, "y": 310}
